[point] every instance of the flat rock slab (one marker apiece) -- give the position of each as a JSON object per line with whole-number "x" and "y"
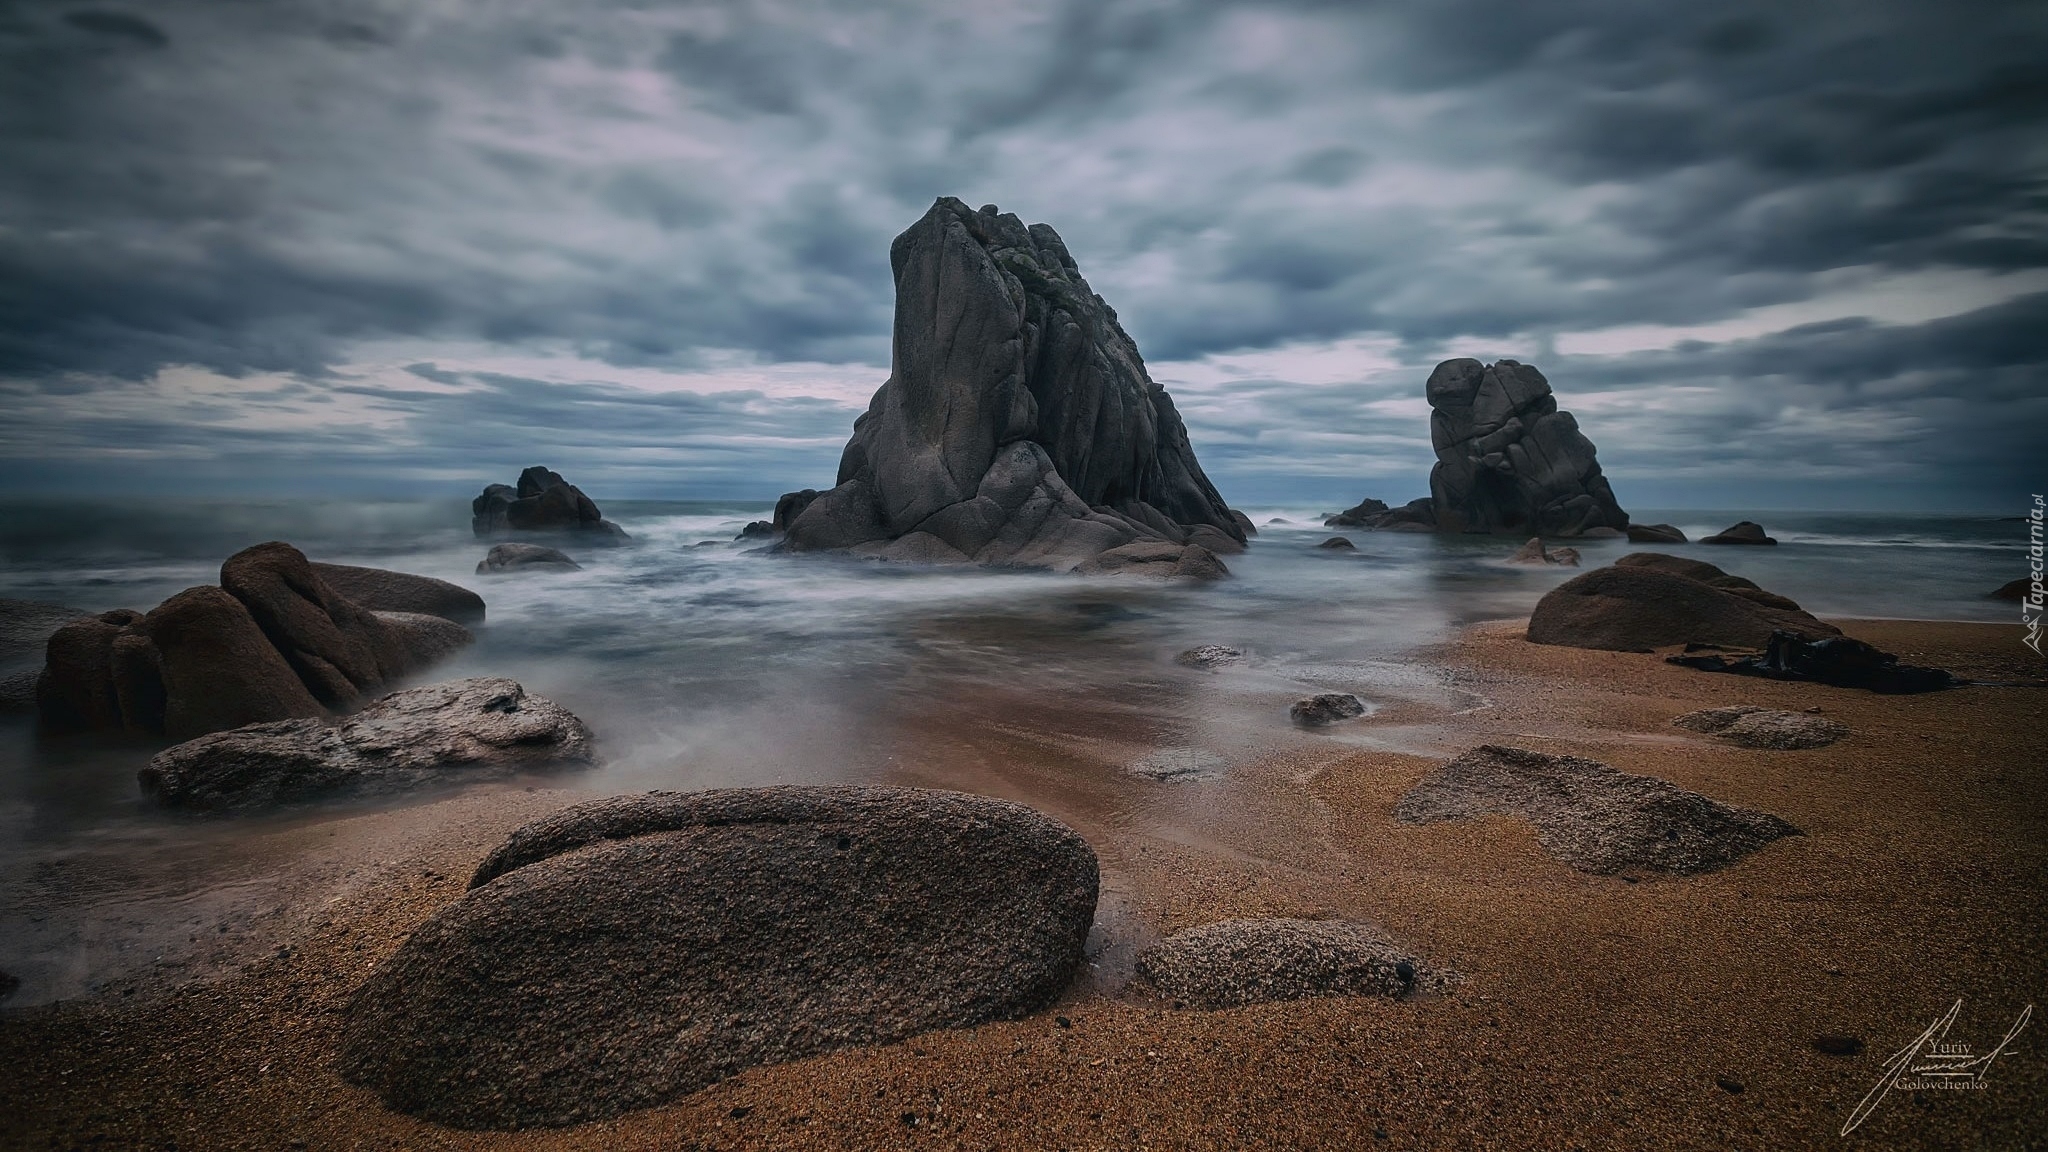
{"x": 468, "y": 729}
{"x": 1591, "y": 816}
{"x": 1255, "y": 961}
{"x": 1328, "y": 708}
{"x": 627, "y": 951}
{"x": 1754, "y": 727}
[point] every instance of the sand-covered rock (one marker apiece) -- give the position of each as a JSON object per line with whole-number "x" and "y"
{"x": 1755, "y": 727}
{"x": 382, "y": 590}
{"x": 503, "y": 558}
{"x": 1238, "y": 962}
{"x": 1327, "y": 708}
{"x": 627, "y": 951}
{"x": 465, "y": 729}
{"x": 1208, "y": 656}
{"x": 1591, "y": 816}
{"x": 1647, "y": 600}
{"x": 1740, "y": 532}
{"x": 1508, "y": 459}
{"x": 542, "y": 502}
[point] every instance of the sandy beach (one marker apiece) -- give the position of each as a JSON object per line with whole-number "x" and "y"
{"x": 1630, "y": 1011}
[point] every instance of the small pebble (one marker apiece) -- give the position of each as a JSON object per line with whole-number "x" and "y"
{"x": 1729, "y": 1084}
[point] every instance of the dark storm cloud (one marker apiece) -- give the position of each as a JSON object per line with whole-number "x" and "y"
{"x": 281, "y": 188}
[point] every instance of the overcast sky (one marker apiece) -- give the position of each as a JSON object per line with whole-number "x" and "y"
{"x": 1773, "y": 255}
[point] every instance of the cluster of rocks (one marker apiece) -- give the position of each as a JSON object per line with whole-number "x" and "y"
{"x": 1649, "y": 600}
{"x": 1018, "y": 426}
{"x": 486, "y": 728}
{"x": 1593, "y": 817}
{"x": 1238, "y": 962}
{"x": 274, "y": 641}
{"x": 1414, "y": 516}
{"x": 1755, "y": 727}
{"x": 689, "y": 937}
{"x": 1837, "y": 660}
{"x": 542, "y": 502}
{"x": 1535, "y": 555}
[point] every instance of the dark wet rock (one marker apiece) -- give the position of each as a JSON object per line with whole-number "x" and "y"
{"x": 1729, "y": 1084}
{"x": 1754, "y": 727}
{"x": 9, "y": 984}
{"x": 1742, "y": 532}
{"x": 18, "y": 690}
{"x": 1239, "y": 962}
{"x": 427, "y": 639}
{"x": 791, "y": 506}
{"x": 1327, "y": 708}
{"x": 1647, "y": 600}
{"x": 2016, "y": 591}
{"x": 1214, "y": 540}
{"x": 339, "y": 648}
{"x": 1591, "y": 816}
{"x": 525, "y": 558}
{"x": 691, "y": 936}
{"x": 1358, "y": 516}
{"x": 1157, "y": 559}
{"x": 1837, "y": 1044}
{"x": 26, "y": 627}
{"x": 1508, "y": 459}
{"x": 1339, "y": 544}
{"x": 542, "y": 502}
{"x": 1208, "y": 656}
{"x": 1654, "y": 534}
{"x": 757, "y": 530}
{"x": 1837, "y": 660}
{"x": 1417, "y": 515}
{"x": 1244, "y": 523}
{"x": 1018, "y": 427}
{"x": 485, "y": 728}
{"x": 1534, "y": 554}
{"x": 381, "y": 590}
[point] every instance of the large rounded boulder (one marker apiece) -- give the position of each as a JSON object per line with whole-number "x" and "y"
{"x": 1647, "y": 601}
{"x": 627, "y": 951}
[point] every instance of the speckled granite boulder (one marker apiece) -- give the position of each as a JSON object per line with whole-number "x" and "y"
{"x": 1754, "y": 727}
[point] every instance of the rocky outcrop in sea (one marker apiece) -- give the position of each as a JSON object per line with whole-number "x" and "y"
{"x": 1018, "y": 426}
{"x": 1508, "y": 459}
{"x": 542, "y": 502}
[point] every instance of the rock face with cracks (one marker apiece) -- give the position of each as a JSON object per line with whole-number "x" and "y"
{"x": 1018, "y": 427}
{"x": 627, "y": 951}
{"x": 1255, "y": 961}
{"x": 1591, "y": 816}
{"x": 1508, "y": 459}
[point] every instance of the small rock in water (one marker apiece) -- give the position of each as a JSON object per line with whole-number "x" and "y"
{"x": 1328, "y": 708}
{"x": 1534, "y": 554}
{"x": 758, "y": 530}
{"x": 2014, "y": 590}
{"x": 522, "y": 557}
{"x": 1741, "y": 532}
{"x": 1339, "y": 544}
{"x": 1255, "y": 961}
{"x": 1179, "y": 764}
{"x": 1754, "y": 727}
{"x": 1208, "y": 656}
{"x": 1654, "y": 534}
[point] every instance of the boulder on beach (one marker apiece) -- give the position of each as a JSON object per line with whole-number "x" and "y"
{"x": 382, "y": 590}
{"x": 486, "y": 728}
{"x": 1654, "y": 534}
{"x": 1208, "y": 656}
{"x": 1508, "y": 460}
{"x": 1834, "y": 660}
{"x": 1591, "y": 816}
{"x": 1741, "y": 532}
{"x": 1018, "y": 427}
{"x": 1327, "y": 708}
{"x": 525, "y": 558}
{"x": 1535, "y": 555}
{"x": 542, "y": 502}
{"x": 273, "y": 642}
{"x": 627, "y": 951}
{"x": 1239, "y": 962}
{"x": 1755, "y": 727}
{"x": 1647, "y": 600}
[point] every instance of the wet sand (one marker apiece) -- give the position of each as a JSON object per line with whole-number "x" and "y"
{"x": 1595, "y": 1012}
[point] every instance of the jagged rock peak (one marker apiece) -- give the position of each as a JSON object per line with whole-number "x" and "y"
{"x": 1018, "y": 426}
{"x": 1508, "y": 459}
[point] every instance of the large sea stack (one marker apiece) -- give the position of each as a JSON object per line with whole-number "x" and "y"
{"x": 1508, "y": 460}
{"x": 1018, "y": 426}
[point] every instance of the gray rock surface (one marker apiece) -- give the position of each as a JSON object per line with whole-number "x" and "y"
{"x": 627, "y": 951}
{"x": 1591, "y": 816}
{"x": 1740, "y": 532}
{"x": 1508, "y": 459}
{"x": 542, "y": 502}
{"x": 1018, "y": 427}
{"x": 1654, "y": 534}
{"x": 524, "y": 558}
{"x": 484, "y": 728}
{"x": 1647, "y": 600}
{"x": 1755, "y": 727}
{"x": 1208, "y": 656}
{"x": 1327, "y": 708}
{"x": 1240, "y": 962}
{"x": 382, "y": 590}
{"x": 1158, "y": 559}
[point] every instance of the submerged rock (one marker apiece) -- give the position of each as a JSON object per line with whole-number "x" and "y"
{"x": 1647, "y": 600}
{"x": 1415, "y": 516}
{"x": 1240, "y": 962}
{"x": 1836, "y": 660}
{"x": 542, "y": 502}
{"x": 1328, "y": 708}
{"x": 485, "y": 728}
{"x": 1654, "y": 534}
{"x": 525, "y": 557}
{"x": 1018, "y": 427}
{"x": 2016, "y": 591}
{"x": 1534, "y": 554}
{"x": 1754, "y": 727}
{"x": 1741, "y": 532}
{"x": 25, "y": 630}
{"x": 1338, "y": 544}
{"x": 1508, "y": 459}
{"x": 1208, "y": 656}
{"x": 1591, "y": 816}
{"x": 381, "y": 590}
{"x": 627, "y": 951}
